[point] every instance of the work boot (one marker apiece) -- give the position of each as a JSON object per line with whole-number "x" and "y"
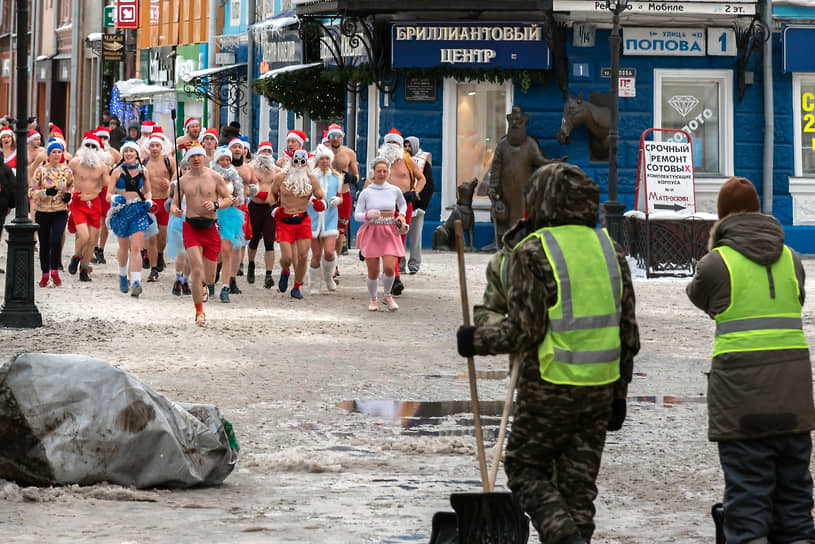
{"x": 99, "y": 254}
{"x": 185, "y": 288}
{"x": 153, "y": 275}
{"x": 84, "y": 275}
{"x": 250, "y": 274}
{"x": 160, "y": 264}
{"x": 177, "y": 288}
{"x": 73, "y": 265}
{"x": 268, "y": 283}
{"x": 233, "y": 287}
{"x": 224, "y": 294}
{"x": 398, "y": 287}
{"x": 240, "y": 269}
{"x": 145, "y": 261}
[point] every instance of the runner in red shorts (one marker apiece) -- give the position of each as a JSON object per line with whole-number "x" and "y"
{"x": 296, "y": 186}
{"x": 206, "y": 192}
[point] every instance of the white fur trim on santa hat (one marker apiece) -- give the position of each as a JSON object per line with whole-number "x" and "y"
{"x": 223, "y": 151}
{"x": 394, "y": 137}
{"x": 294, "y": 134}
{"x": 130, "y": 144}
{"x": 190, "y": 121}
{"x": 195, "y": 150}
{"x": 265, "y": 145}
{"x": 33, "y": 135}
{"x": 158, "y": 137}
{"x": 335, "y": 129}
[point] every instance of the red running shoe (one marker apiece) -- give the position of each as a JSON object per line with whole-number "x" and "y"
{"x": 43, "y": 281}
{"x": 55, "y": 278}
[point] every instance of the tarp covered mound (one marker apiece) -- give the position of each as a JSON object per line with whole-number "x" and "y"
{"x": 72, "y": 419}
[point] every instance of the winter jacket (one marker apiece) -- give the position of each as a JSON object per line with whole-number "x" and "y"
{"x": 756, "y": 393}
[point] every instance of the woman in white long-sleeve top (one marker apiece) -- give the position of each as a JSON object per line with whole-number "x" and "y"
{"x": 381, "y": 207}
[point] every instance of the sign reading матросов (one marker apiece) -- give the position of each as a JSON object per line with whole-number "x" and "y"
{"x": 477, "y": 44}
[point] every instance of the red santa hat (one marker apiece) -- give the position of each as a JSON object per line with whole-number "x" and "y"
{"x": 265, "y": 145}
{"x": 33, "y": 135}
{"x": 91, "y": 138}
{"x": 333, "y": 129}
{"x": 325, "y": 137}
{"x": 298, "y": 135}
{"x": 55, "y": 131}
{"x": 148, "y": 126}
{"x": 156, "y": 136}
{"x": 208, "y": 132}
{"x": 394, "y": 137}
{"x": 103, "y": 131}
{"x": 234, "y": 141}
{"x": 190, "y": 121}
{"x": 7, "y": 131}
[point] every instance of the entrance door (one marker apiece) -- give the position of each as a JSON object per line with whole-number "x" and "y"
{"x": 59, "y": 105}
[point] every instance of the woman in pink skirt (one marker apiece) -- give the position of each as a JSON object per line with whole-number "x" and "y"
{"x": 382, "y": 208}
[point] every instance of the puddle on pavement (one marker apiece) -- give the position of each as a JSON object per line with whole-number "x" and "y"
{"x": 454, "y": 417}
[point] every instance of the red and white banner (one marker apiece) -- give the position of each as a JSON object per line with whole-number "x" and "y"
{"x": 127, "y": 14}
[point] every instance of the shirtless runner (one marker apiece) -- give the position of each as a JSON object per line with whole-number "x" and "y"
{"x": 263, "y": 224}
{"x": 161, "y": 170}
{"x": 404, "y": 174}
{"x": 113, "y": 161}
{"x": 246, "y": 172}
{"x": 209, "y": 139}
{"x": 345, "y": 162}
{"x": 192, "y": 130}
{"x": 296, "y": 187}
{"x": 295, "y": 140}
{"x": 206, "y": 192}
{"x": 90, "y": 175}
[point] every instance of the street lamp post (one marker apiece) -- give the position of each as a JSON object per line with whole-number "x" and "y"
{"x": 19, "y": 310}
{"x": 612, "y": 208}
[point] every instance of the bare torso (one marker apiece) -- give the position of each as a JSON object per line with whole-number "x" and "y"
{"x": 246, "y": 173}
{"x": 294, "y": 204}
{"x": 264, "y": 180}
{"x": 200, "y": 187}
{"x": 88, "y": 180}
{"x": 160, "y": 176}
{"x": 345, "y": 160}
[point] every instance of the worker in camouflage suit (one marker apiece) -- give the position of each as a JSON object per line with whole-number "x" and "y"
{"x": 577, "y": 356}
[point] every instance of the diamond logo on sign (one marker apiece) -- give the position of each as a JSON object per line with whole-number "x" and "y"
{"x": 683, "y": 104}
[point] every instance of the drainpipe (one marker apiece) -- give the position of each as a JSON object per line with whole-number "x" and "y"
{"x": 33, "y": 98}
{"x": 769, "y": 112}
{"x": 213, "y": 13}
{"x": 74, "y": 95}
{"x": 250, "y": 72}
{"x": 12, "y": 79}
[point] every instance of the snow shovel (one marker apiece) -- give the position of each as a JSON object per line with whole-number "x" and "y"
{"x": 487, "y": 517}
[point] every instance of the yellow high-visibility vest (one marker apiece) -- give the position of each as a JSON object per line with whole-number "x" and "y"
{"x": 759, "y": 318}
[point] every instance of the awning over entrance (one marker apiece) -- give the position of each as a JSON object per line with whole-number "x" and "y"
{"x": 136, "y": 90}
{"x": 231, "y": 70}
{"x": 271, "y": 74}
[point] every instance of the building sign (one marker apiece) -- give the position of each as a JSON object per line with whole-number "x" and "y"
{"x": 721, "y": 42}
{"x": 127, "y": 14}
{"x": 110, "y": 17}
{"x": 113, "y": 47}
{"x": 351, "y": 56}
{"x": 421, "y": 89}
{"x": 797, "y": 42}
{"x": 155, "y": 12}
{"x": 689, "y": 7}
{"x": 477, "y": 44}
{"x": 282, "y": 51}
{"x": 583, "y": 35}
{"x": 687, "y": 42}
{"x": 808, "y": 121}
{"x": 666, "y": 173}
{"x": 627, "y": 81}
{"x": 187, "y": 59}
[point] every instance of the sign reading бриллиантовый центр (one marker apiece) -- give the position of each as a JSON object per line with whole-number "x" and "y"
{"x": 477, "y": 44}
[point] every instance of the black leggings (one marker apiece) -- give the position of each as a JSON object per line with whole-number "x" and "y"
{"x": 52, "y": 227}
{"x": 263, "y": 226}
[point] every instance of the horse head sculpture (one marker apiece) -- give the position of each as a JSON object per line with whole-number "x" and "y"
{"x": 578, "y": 112}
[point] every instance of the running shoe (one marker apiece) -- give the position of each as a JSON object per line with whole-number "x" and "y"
{"x": 73, "y": 265}
{"x": 43, "y": 281}
{"x": 224, "y": 294}
{"x": 185, "y": 288}
{"x": 55, "y": 278}
{"x": 283, "y": 283}
{"x": 153, "y": 275}
{"x": 269, "y": 282}
{"x": 250, "y": 273}
{"x": 200, "y": 319}
{"x": 123, "y": 286}
{"x": 135, "y": 289}
{"x": 390, "y": 303}
{"x": 373, "y": 306}
{"x": 413, "y": 269}
{"x": 177, "y": 288}
{"x": 295, "y": 293}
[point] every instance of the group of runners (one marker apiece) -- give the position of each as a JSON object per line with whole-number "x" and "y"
{"x": 218, "y": 201}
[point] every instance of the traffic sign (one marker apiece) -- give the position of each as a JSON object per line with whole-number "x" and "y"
{"x": 665, "y": 175}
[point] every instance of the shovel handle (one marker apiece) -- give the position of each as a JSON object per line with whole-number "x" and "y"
{"x": 499, "y": 445}
{"x": 465, "y": 310}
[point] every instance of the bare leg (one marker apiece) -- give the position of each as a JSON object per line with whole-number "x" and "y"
{"x": 302, "y": 260}
{"x": 196, "y": 261}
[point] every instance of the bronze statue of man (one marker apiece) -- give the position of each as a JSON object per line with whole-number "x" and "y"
{"x": 516, "y": 156}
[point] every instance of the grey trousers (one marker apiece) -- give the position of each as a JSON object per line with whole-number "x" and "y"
{"x": 768, "y": 490}
{"x": 415, "y": 240}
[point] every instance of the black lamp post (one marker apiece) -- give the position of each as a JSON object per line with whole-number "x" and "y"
{"x": 19, "y": 310}
{"x": 612, "y": 208}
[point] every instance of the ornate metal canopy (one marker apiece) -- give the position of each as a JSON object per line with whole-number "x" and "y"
{"x": 354, "y": 36}
{"x": 224, "y": 85}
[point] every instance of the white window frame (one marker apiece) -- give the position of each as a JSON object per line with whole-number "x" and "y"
{"x": 726, "y": 107}
{"x": 448, "y": 150}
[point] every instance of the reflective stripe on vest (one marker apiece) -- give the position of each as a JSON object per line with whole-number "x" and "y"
{"x": 755, "y": 320}
{"x": 582, "y": 344}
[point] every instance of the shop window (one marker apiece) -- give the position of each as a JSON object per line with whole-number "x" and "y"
{"x": 804, "y": 111}
{"x": 481, "y": 120}
{"x": 700, "y": 103}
